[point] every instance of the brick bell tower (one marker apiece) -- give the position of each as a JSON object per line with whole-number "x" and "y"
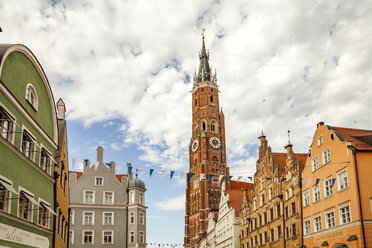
{"x": 207, "y": 152}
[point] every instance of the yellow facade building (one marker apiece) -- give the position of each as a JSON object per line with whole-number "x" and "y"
{"x": 337, "y": 188}
{"x": 61, "y": 228}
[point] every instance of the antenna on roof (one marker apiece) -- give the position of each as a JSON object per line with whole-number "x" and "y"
{"x": 289, "y": 137}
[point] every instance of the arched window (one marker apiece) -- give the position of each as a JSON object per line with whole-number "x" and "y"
{"x": 213, "y": 126}
{"x": 196, "y": 102}
{"x": 211, "y": 98}
{"x": 196, "y": 130}
{"x": 61, "y": 176}
{"x": 214, "y": 159}
{"x": 64, "y": 183}
{"x": 204, "y": 126}
{"x": 31, "y": 96}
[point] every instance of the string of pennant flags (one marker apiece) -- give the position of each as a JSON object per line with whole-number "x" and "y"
{"x": 216, "y": 178}
{"x": 182, "y": 245}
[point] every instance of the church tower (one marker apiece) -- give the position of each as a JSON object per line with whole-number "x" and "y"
{"x": 207, "y": 152}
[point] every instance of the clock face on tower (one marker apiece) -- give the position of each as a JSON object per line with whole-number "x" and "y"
{"x": 215, "y": 142}
{"x": 195, "y": 145}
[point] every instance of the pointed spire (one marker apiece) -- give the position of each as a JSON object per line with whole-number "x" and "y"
{"x": 204, "y": 73}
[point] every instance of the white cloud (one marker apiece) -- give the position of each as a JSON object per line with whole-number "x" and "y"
{"x": 281, "y": 65}
{"x": 172, "y": 204}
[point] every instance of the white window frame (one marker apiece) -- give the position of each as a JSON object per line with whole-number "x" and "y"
{"x": 320, "y": 140}
{"x": 72, "y": 237}
{"x": 141, "y": 198}
{"x": 132, "y": 197}
{"x": 134, "y": 237}
{"x": 143, "y": 236}
{"x": 82, "y": 237}
{"x": 72, "y": 217}
{"x": 314, "y": 193}
{"x": 49, "y": 171}
{"x": 130, "y": 218}
{"x": 326, "y": 219}
{"x": 32, "y": 155}
{"x": 104, "y": 197}
{"x": 20, "y": 189}
{"x": 38, "y": 209}
{"x": 324, "y": 157}
{"x": 143, "y": 218}
{"x": 103, "y": 237}
{"x": 112, "y": 218}
{"x": 305, "y": 231}
{"x": 83, "y": 221}
{"x": 340, "y": 214}
{"x": 316, "y": 158}
{"x": 321, "y": 227}
{"x": 339, "y": 182}
{"x": 103, "y": 181}
{"x": 306, "y": 203}
{"x": 35, "y": 104}
{"x": 94, "y": 196}
{"x": 10, "y": 195}
{"x": 14, "y": 120}
{"x": 330, "y": 187}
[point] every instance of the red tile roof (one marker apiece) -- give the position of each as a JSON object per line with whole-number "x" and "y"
{"x": 359, "y": 138}
{"x": 79, "y": 174}
{"x": 236, "y": 194}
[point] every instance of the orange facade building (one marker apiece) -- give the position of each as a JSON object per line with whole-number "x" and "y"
{"x": 207, "y": 153}
{"x": 337, "y": 188}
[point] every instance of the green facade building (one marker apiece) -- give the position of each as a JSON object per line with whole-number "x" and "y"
{"x": 28, "y": 140}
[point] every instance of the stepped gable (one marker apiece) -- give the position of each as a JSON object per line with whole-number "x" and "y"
{"x": 236, "y": 194}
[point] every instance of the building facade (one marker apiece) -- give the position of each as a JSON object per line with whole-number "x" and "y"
{"x": 106, "y": 209}
{"x": 61, "y": 225}
{"x": 211, "y": 230}
{"x": 28, "y": 140}
{"x": 227, "y": 227}
{"x": 337, "y": 192}
{"x": 264, "y": 223}
{"x": 207, "y": 153}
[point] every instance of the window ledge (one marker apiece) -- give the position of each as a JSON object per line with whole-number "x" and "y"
{"x": 341, "y": 190}
{"x": 328, "y": 196}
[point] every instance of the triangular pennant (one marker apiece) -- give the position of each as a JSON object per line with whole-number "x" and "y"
{"x": 317, "y": 182}
{"x": 239, "y": 177}
{"x": 171, "y": 174}
{"x": 151, "y": 171}
{"x": 250, "y": 178}
{"x": 260, "y": 178}
{"x": 202, "y": 177}
{"x": 163, "y": 172}
{"x": 119, "y": 168}
{"x": 182, "y": 174}
{"x": 210, "y": 176}
{"x": 190, "y": 175}
{"x": 220, "y": 179}
{"x": 276, "y": 180}
{"x": 230, "y": 178}
{"x": 268, "y": 178}
{"x": 333, "y": 181}
{"x": 73, "y": 162}
{"x": 283, "y": 179}
{"x": 108, "y": 164}
{"x": 130, "y": 170}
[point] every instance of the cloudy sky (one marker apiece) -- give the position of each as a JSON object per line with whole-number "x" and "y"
{"x": 124, "y": 70}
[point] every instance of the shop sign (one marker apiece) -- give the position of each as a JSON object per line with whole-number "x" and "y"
{"x": 333, "y": 235}
{"x": 15, "y": 235}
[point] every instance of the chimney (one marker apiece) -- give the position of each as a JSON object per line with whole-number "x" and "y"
{"x": 61, "y": 109}
{"x": 100, "y": 154}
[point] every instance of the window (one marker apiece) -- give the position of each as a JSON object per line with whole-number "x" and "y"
{"x": 31, "y": 96}
{"x": 131, "y": 218}
{"x": 132, "y": 197}
{"x": 142, "y": 218}
{"x": 204, "y": 126}
{"x": 294, "y": 233}
{"x": 6, "y": 125}
{"x": 141, "y": 237}
{"x": 345, "y": 216}
{"x": 88, "y": 196}
{"x": 88, "y": 218}
{"x": 108, "y": 237}
{"x": 132, "y": 237}
{"x": 306, "y": 199}
{"x": 328, "y": 187}
{"x": 342, "y": 180}
{"x": 278, "y": 211}
{"x": 45, "y": 160}
{"x": 71, "y": 237}
{"x": 326, "y": 156}
{"x": 330, "y": 219}
{"x": 109, "y": 197}
{"x": 318, "y": 223}
{"x": 28, "y": 145}
{"x": 43, "y": 216}
{"x": 211, "y": 98}
{"x": 4, "y": 195}
{"x": 307, "y": 227}
{"x": 320, "y": 140}
{"x": 315, "y": 163}
{"x": 72, "y": 217}
{"x": 213, "y": 126}
{"x": 316, "y": 193}
{"x": 99, "y": 181}
{"x": 108, "y": 219}
{"x": 25, "y": 206}
{"x": 271, "y": 193}
{"x": 141, "y": 199}
{"x": 88, "y": 238}
{"x": 293, "y": 207}
{"x": 196, "y": 102}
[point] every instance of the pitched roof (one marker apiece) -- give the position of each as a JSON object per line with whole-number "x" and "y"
{"x": 281, "y": 158}
{"x": 361, "y": 139}
{"x": 236, "y": 194}
{"x": 79, "y": 174}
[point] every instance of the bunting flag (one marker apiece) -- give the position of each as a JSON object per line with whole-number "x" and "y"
{"x": 119, "y": 168}
{"x": 239, "y": 177}
{"x": 182, "y": 174}
{"x": 333, "y": 181}
{"x": 300, "y": 181}
{"x": 283, "y": 179}
{"x": 308, "y": 182}
{"x": 210, "y": 176}
{"x": 171, "y": 174}
{"x": 230, "y": 178}
{"x": 220, "y": 179}
{"x": 294, "y": 180}
{"x": 317, "y": 182}
{"x": 130, "y": 170}
{"x": 268, "y": 178}
{"x": 250, "y": 178}
{"x": 276, "y": 180}
{"x": 190, "y": 175}
{"x": 151, "y": 171}
{"x": 73, "y": 162}
{"x": 202, "y": 177}
{"x": 164, "y": 172}
{"x": 140, "y": 169}
{"x": 86, "y": 162}
{"x": 108, "y": 164}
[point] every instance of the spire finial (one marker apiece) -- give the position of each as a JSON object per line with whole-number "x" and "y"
{"x": 289, "y": 137}
{"x": 202, "y": 34}
{"x": 136, "y": 172}
{"x": 262, "y": 134}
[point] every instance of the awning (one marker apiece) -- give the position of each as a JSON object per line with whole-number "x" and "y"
{"x": 49, "y": 208}
{"x": 352, "y": 237}
{"x": 32, "y": 199}
{"x": 325, "y": 243}
{"x": 8, "y": 187}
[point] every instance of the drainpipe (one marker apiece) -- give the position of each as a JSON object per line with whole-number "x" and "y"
{"x": 282, "y": 199}
{"x": 354, "y": 150}
{"x": 55, "y": 207}
{"x": 302, "y": 219}
{"x": 68, "y": 227}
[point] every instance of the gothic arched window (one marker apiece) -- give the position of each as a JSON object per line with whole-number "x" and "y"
{"x": 213, "y": 126}
{"x": 196, "y": 102}
{"x": 214, "y": 159}
{"x": 204, "y": 126}
{"x": 211, "y": 98}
